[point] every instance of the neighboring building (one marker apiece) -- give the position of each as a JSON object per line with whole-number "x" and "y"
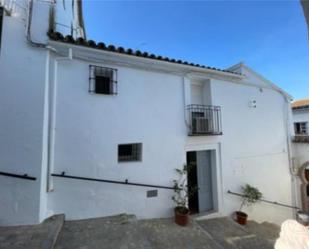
{"x": 301, "y": 117}
{"x": 73, "y": 111}
{"x": 301, "y": 149}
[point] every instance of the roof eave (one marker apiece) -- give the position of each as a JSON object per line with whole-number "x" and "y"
{"x": 134, "y": 60}
{"x": 271, "y": 84}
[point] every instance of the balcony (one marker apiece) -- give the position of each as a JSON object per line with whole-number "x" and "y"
{"x": 204, "y": 120}
{"x": 301, "y": 138}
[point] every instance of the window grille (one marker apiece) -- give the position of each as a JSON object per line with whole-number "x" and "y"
{"x": 129, "y": 152}
{"x": 102, "y": 80}
{"x": 301, "y": 128}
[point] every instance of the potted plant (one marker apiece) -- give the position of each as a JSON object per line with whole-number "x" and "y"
{"x": 250, "y": 196}
{"x": 180, "y": 197}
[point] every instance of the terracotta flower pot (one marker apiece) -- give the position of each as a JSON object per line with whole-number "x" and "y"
{"x": 181, "y": 216}
{"x": 241, "y": 218}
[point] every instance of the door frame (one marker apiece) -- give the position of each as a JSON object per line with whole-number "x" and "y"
{"x": 218, "y": 190}
{"x": 193, "y": 200}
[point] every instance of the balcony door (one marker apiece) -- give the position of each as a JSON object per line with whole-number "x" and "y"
{"x": 197, "y": 97}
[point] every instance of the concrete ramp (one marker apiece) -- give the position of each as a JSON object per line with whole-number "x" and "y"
{"x": 165, "y": 234}
{"x": 126, "y": 232}
{"x": 231, "y": 235}
{"x": 121, "y": 231}
{"x": 42, "y": 236}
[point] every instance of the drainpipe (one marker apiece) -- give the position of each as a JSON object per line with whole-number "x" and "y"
{"x": 291, "y": 163}
{"x": 52, "y": 103}
{"x": 185, "y": 100}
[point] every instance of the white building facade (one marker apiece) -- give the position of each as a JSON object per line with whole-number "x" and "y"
{"x": 301, "y": 150}
{"x": 100, "y": 130}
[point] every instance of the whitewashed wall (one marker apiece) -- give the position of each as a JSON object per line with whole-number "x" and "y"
{"x": 67, "y": 19}
{"x": 22, "y": 72}
{"x": 89, "y": 128}
{"x": 300, "y": 150}
{"x": 301, "y": 159}
{"x": 149, "y": 108}
{"x": 23, "y": 109}
{"x": 301, "y": 116}
{"x": 254, "y": 148}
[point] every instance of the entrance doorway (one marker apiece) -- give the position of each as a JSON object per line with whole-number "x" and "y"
{"x": 201, "y": 181}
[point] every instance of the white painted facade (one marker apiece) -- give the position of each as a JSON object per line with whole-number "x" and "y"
{"x": 301, "y": 157}
{"x": 300, "y": 150}
{"x": 50, "y": 123}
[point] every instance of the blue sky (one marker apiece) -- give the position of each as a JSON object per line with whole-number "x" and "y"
{"x": 269, "y": 36}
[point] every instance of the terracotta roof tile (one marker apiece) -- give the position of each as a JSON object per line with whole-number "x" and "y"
{"x": 56, "y": 36}
{"x": 300, "y": 104}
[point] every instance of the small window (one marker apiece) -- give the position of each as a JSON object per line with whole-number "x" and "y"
{"x": 300, "y": 128}
{"x": 102, "y": 80}
{"x": 129, "y": 152}
{"x": 1, "y": 21}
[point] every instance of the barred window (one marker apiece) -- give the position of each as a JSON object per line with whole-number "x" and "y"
{"x": 301, "y": 128}
{"x": 129, "y": 152}
{"x": 102, "y": 80}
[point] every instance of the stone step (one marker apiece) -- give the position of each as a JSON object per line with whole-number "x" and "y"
{"x": 266, "y": 230}
{"x": 231, "y": 235}
{"x": 42, "y": 236}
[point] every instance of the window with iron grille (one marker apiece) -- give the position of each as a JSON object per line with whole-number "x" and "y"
{"x": 1, "y": 21}
{"x": 301, "y": 128}
{"x": 102, "y": 80}
{"x": 129, "y": 152}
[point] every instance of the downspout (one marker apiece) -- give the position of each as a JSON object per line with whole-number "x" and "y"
{"x": 184, "y": 88}
{"x": 52, "y": 103}
{"x": 290, "y": 158}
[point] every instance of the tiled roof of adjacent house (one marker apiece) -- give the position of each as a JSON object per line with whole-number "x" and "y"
{"x": 300, "y": 104}
{"x": 56, "y": 36}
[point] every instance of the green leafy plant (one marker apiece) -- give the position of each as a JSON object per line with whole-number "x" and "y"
{"x": 181, "y": 192}
{"x": 251, "y": 195}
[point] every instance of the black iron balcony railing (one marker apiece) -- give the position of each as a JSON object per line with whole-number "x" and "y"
{"x": 204, "y": 120}
{"x": 301, "y": 138}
